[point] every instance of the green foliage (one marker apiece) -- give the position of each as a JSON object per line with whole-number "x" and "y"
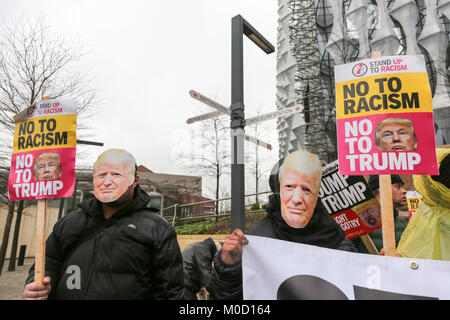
{"x": 194, "y": 228}
{"x": 255, "y": 206}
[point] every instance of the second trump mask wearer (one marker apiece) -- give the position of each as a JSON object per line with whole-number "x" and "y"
{"x": 299, "y": 187}
{"x": 320, "y": 230}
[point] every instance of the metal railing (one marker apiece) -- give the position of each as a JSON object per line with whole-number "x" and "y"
{"x": 208, "y": 209}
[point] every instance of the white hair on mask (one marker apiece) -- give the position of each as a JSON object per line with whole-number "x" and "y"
{"x": 302, "y": 161}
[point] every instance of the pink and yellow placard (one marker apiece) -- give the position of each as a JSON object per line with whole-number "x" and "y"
{"x": 384, "y": 117}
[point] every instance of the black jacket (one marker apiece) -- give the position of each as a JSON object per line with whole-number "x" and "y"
{"x": 136, "y": 257}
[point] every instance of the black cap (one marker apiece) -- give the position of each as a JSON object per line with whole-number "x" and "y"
{"x": 374, "y": 181}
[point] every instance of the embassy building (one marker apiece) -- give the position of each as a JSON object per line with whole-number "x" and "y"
{"x": 315, "y": 35}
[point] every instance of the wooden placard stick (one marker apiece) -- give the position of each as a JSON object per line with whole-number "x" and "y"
{"x": 41, "y": 220}
{"x": 387, "y": 215}
{"x": 387, "y": 210}
{"x": 39, "y": 260}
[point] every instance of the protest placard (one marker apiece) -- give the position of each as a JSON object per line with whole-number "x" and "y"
{"x": 384, "y": 117}
{"x": 271, "y": 271}
{"x": 44, "y": 147}
{"x": 349, "y": 200}
{"x": 414, "y": 199}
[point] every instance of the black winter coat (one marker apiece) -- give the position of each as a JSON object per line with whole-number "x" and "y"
{"x": 136, "y": 257}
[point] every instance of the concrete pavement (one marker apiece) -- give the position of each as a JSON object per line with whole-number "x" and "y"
{"x": 12, "y": 282}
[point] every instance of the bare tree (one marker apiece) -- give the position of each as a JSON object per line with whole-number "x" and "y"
{"x": 258, "y": 161}
{"x": 34, "y": 62}
{"x": 209, "y": 154}
{"x": 4, "y": 245}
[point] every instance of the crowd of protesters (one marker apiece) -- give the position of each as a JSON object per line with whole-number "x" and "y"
{"x": 126, "y": 250}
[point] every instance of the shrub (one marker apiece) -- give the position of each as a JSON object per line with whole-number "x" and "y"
{"x": 255, "y": 206}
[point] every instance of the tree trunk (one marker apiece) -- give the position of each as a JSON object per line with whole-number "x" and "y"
{"x": 4, "y": 246}
{"x": 256, "y": 175}
{"x": 217, "y": 191}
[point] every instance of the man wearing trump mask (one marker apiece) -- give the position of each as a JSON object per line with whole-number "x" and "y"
{"x": 113, "y": 246}
{"x": 115, "y": 179}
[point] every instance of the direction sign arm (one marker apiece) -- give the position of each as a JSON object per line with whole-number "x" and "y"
{"x": 272, "y": 115}
{"x": 198, "y": 96}
{"x": 205, "y": 116}
{"x": 258, "y": 142}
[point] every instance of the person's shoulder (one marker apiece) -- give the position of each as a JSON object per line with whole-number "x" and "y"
{"x": 150, "y": 215}
{"x": 188, "y": 251}
{"x": 152, "y": 222}
{"x": 263, "y": 228}
{"x": 72, "y": 217}
{"x": 71, "y": 223}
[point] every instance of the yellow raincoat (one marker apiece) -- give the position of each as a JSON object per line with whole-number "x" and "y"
{"x": 427, "y": 235}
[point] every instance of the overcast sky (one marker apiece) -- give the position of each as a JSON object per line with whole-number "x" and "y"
{"x": 145, "y": 55}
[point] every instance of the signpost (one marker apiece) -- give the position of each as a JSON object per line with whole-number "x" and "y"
{"x": 206, "y": 116}
{"x": 258, "y": 142}
{"x": 264, "y": 117}
{"x": 221, "y": 112}
{"x": 239, "y": 27}
{"x": 197, "y": 96}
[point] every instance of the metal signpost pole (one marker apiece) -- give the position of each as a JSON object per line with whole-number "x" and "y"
{"x": 239, "y": 27}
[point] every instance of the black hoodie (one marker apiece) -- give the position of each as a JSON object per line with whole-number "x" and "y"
{"x": 136, "y": 256}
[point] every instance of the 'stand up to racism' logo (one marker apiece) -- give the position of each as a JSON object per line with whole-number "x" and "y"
{"x": 359, "y": 70}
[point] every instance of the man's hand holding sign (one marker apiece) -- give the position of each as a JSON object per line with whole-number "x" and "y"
{"x": 232, "y": 247}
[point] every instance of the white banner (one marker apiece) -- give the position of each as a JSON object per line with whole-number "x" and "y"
{"x": 276, "y": 269}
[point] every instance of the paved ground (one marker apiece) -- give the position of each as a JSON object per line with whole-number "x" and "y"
{"x": 11, "y": 282}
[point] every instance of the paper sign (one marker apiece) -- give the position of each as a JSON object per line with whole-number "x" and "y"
{"x": 384, "y": 117}
{"x": 275, "y": 269}
{"x": 414, "y": 199}
{"x": 43, "y": 159}
{"x": 349, "y": 201}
